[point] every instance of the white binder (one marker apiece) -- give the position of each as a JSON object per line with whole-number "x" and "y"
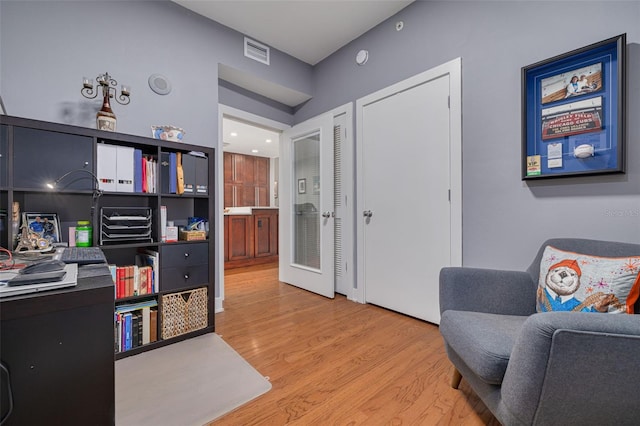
{"x": 106, "y": 167}
{"x": 124, "y": 169}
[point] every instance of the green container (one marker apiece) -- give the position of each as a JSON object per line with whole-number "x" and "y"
{"x": 84, "y": 234}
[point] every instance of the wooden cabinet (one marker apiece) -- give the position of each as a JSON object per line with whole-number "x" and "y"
{"x": 265, "y": 231}
{"x": 251, "y": 239}
{"x": 246, "y": 180}
{"x": 57, "y": 348}
{"x": 239, "y": 234}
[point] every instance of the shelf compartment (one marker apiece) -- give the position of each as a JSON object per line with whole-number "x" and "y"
{"x": 184, "y": 312}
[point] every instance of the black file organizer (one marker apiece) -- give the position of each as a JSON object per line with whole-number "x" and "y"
{"x": 125, "y": 225}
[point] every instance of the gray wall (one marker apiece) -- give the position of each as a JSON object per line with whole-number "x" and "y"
{"x": 47, "y": 47}
{"x": 504, "y": 219}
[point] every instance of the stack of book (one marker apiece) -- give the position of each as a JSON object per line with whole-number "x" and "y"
{"x": 136, "y": 325}
{"x": 139, "y": 279}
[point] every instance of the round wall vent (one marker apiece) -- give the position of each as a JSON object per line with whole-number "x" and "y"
{"x": 362, "y": 57}
{"x": 160, "y": 84}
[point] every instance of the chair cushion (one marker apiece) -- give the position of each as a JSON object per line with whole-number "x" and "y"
{"x": 578, "y": 282}
{"x": 483, "y": 341}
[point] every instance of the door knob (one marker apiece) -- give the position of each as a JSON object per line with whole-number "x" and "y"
{"x": 326, "y": 215}
{"x": 367, "y": 213}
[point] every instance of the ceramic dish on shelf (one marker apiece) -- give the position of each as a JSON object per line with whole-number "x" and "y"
{"x": 167, "y": 133}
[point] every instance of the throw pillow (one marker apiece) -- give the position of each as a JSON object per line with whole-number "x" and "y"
{"x": 584, "y": 283}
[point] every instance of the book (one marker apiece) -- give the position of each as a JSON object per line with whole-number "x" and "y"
{"x": 137, "y": 170}
{"x": 120, "y": 292}
{"x": 165, "y": 173}
{"x": 129, "y": 280}
{"x": 127, "y": 331}
{"x": 144, "y": 280}
{"x": 163, "y": 223}
{"x": 202, "y": 175}
{"x": 118, "y": 332}
{"x": 146, "y": 324}
{"x": 179, "y": 174}
{"x": 153, "y": 322}
{"x": 143, "y": 174}
{"x": 135, "y": 330}
{"x": 150, "y": 258}
{"x": 173, "y": 169}
{"x": 189, "y": 173}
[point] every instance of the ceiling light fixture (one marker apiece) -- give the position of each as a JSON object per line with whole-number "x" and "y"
{"x": 268, "y": 141}
{"x": 234, "y": 134}
{"x": 255, "y": 151}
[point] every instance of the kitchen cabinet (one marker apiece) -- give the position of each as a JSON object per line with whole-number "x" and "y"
{"x": 246, "y": 180}
{"x": 251, "y": 239}
{"x": 239, "y": 235}
{"x": 265, "y": 232}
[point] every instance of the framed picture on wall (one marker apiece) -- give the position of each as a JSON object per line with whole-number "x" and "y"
{"x": 302, "y": 186}
{"x": 573, "y": 112}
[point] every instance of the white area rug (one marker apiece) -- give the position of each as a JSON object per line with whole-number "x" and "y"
{"x": 188, "y": 383}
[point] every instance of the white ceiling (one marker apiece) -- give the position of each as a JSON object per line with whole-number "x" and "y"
{"x": 309, "y": 30}
{"x": 248, "y": 138}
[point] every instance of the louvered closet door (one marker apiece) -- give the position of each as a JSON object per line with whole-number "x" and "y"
{"x": 340, "y": 205}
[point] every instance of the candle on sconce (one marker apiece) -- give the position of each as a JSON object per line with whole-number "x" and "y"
{"x": 107, "y": 87}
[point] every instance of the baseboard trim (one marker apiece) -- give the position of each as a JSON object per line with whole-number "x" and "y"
{"x": 218, "y": 305}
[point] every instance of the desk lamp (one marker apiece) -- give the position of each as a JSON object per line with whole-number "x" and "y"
{"x": 97, "y": 192}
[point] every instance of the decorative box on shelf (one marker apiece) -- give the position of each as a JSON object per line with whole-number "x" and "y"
{"x": 192, "y": 235}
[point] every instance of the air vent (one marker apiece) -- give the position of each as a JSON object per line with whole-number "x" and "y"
{"x": 256, "y": 51}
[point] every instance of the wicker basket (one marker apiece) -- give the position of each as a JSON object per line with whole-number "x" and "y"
{"x": 184, "y": 312}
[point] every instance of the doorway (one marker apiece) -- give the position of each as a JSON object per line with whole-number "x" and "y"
{"x": 241, "y": 134}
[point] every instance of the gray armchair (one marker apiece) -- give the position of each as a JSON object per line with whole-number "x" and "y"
{"x": 551, "y": 368}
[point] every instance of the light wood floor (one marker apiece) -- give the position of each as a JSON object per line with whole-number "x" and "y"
{"x": 336, "y": 362}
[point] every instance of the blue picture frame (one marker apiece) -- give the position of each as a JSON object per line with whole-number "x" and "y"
{"x": 573, "y": 112}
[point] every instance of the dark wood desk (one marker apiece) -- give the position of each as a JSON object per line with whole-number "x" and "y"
{"x": 58, "y": 347}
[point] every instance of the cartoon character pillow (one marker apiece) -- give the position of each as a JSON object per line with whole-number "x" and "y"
{"x": 582, "y": 283}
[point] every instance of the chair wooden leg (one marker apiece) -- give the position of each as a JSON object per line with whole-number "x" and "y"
{"x": 456, "y": 377}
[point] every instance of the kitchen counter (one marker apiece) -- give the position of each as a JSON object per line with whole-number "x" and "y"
{"x": 228, "y": 211}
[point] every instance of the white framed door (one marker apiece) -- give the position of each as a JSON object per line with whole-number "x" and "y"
{"x": 409, "y": 190}
{"x": 307, "y": 206}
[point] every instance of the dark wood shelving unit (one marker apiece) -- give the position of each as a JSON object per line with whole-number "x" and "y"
{"x": 57, "y": 149}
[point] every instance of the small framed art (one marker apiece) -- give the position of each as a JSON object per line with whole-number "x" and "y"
{"x": 44, "y": 225}
{"x": 573, "y": 112}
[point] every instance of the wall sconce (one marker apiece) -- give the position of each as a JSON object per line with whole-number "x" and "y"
{"x": 105, "y": 118}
